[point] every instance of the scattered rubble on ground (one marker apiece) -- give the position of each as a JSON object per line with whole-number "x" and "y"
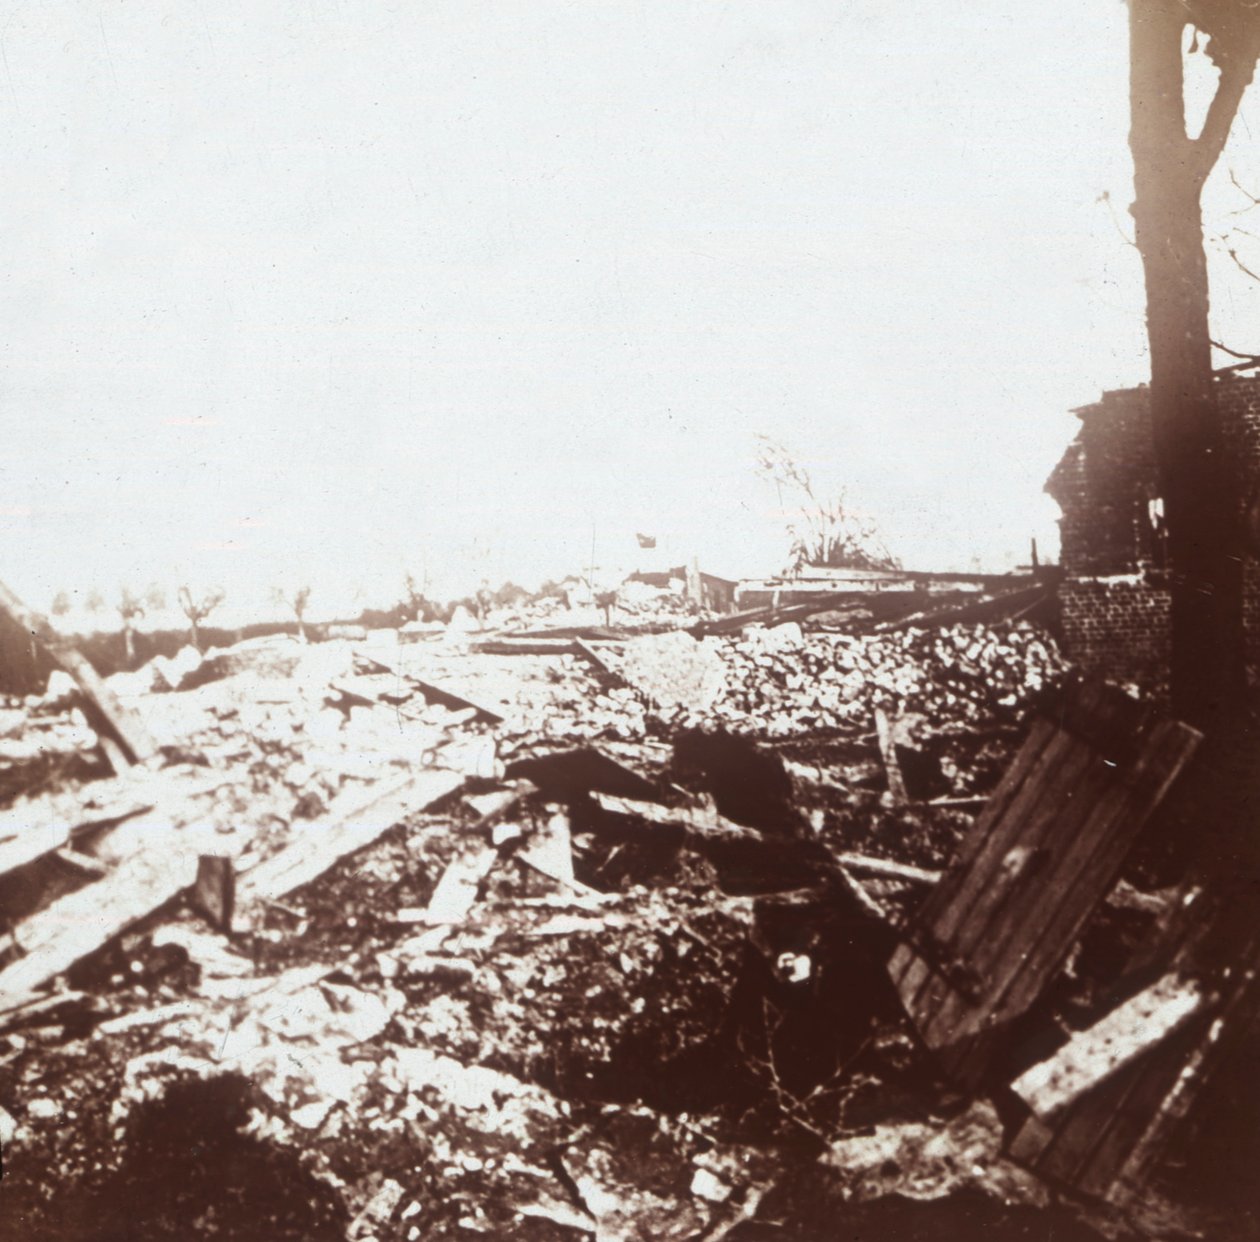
{"x": 558, "y": 936}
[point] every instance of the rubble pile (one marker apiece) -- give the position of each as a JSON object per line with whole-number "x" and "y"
{"x": 546, "y": 1062}
{"x": 785, "y": 680}
{"x": 586, "y": 942}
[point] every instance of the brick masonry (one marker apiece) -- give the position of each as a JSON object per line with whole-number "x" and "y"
{"x": 1113, "y": 598}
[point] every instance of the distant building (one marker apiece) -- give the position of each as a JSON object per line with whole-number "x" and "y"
{"x": 1114, "y": 595}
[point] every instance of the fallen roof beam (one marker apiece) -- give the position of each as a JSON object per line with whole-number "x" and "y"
{"x": 324, "y": 842}
{"x": 434, "y": 693}
{"x": 81, "y": 922}
{"x": 992, "y": 608}
{"x": 106, "y": 712}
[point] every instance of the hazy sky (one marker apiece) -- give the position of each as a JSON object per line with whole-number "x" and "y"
{"x": 328, "y": 291}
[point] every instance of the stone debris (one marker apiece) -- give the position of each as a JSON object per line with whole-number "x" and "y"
{"x": 542, "y": 937}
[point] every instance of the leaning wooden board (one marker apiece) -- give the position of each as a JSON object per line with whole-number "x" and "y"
{"x": 1040, "y": 857}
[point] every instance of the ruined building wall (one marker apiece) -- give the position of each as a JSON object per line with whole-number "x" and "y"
{"x": 1114, "y": 596}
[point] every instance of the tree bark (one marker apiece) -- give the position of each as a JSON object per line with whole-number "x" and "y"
{"x": 1198, "y": 481}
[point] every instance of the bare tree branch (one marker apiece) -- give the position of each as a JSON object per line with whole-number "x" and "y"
{"x": 1105, "y": 197}
{"x": 1236, "y": 72}
{"x": 1233, "y": 254}
{"x": 1255, "y": 202}
{"x": 1245, "y": 360}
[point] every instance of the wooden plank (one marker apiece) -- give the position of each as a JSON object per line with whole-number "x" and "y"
{"x": 25, "y": 841}
{"x": 70, "y": 928}
{"x": 702, "y": 821}
{"x": 593, "y": 657}
{"x": 460, "y": 885}
{"x": 81, "y": 922}
{"x": 1064, "y": 902}
{"x": 995, "y": 941}
{"x": 1105, "y": 1142}
{"x": 29, "y": 1009}
{"x": 105, "y": 711}
{"x": 321, "y": 843}
{"x": 886, "y": 869}
{"x": 434, "y": 693}
{"x": 1088, "y": 1147}
{"x": 1038, "y": 861}
{"x": 1092, "y": 1055}
{"x": 965, "y": 893}
{"x": 525, "y": 647}
{"x": 1055, "y": 781}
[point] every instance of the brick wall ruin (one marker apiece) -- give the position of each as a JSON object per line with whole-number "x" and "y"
{"x": 1114, "y": 595}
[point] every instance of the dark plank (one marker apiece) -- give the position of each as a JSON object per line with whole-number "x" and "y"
{"x": 1078, "y": 861}
{"x": 1039, "y": 859}
{"x": 1106, "y": 1143}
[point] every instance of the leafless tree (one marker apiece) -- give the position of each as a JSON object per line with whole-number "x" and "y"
{"x": 823, "y": 531}
{"x": 296, "y": 602}
{"x": 197, "y": 609}
{"x": 1199, "y": 482}
{"x": 130, "y": 608}
{"x": 414, "y": 595}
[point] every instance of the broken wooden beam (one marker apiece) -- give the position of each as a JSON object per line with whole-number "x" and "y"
{"x": 78, "y": 924}
{"x": 81, "y": 922}
{"x": 703, "y": 821}
{"x": 886, "y": 733}
{"x": 887, "y": 869}
{"x": 319, "y": 844}
{"x": 593, "y": 658}
{"x": 525, "y": 646}
{"x": 30, "y": 1009}
{"x": 431, "y": 691}
{"x": 460, "y": 885}
{"x": 1107, "y": 1140}
{"x": 105, "y": 711}
{"x": 1094, "y": 1054}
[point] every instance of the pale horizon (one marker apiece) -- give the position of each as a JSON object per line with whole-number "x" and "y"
{"x": 326, "y": 294}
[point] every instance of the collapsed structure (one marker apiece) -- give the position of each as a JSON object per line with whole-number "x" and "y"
{"x": 1114, "y": 593}
{"x": 806, "y": 914}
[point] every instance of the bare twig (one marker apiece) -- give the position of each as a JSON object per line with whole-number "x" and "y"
{"x": 1246, "y": 360}
{"x": 1255, "y": 202}
{"x": 1105, "y": 197}
{"x": 1233, "y": 254}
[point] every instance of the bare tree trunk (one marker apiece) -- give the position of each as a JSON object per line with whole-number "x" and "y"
{"x": 1199, "y": 484}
